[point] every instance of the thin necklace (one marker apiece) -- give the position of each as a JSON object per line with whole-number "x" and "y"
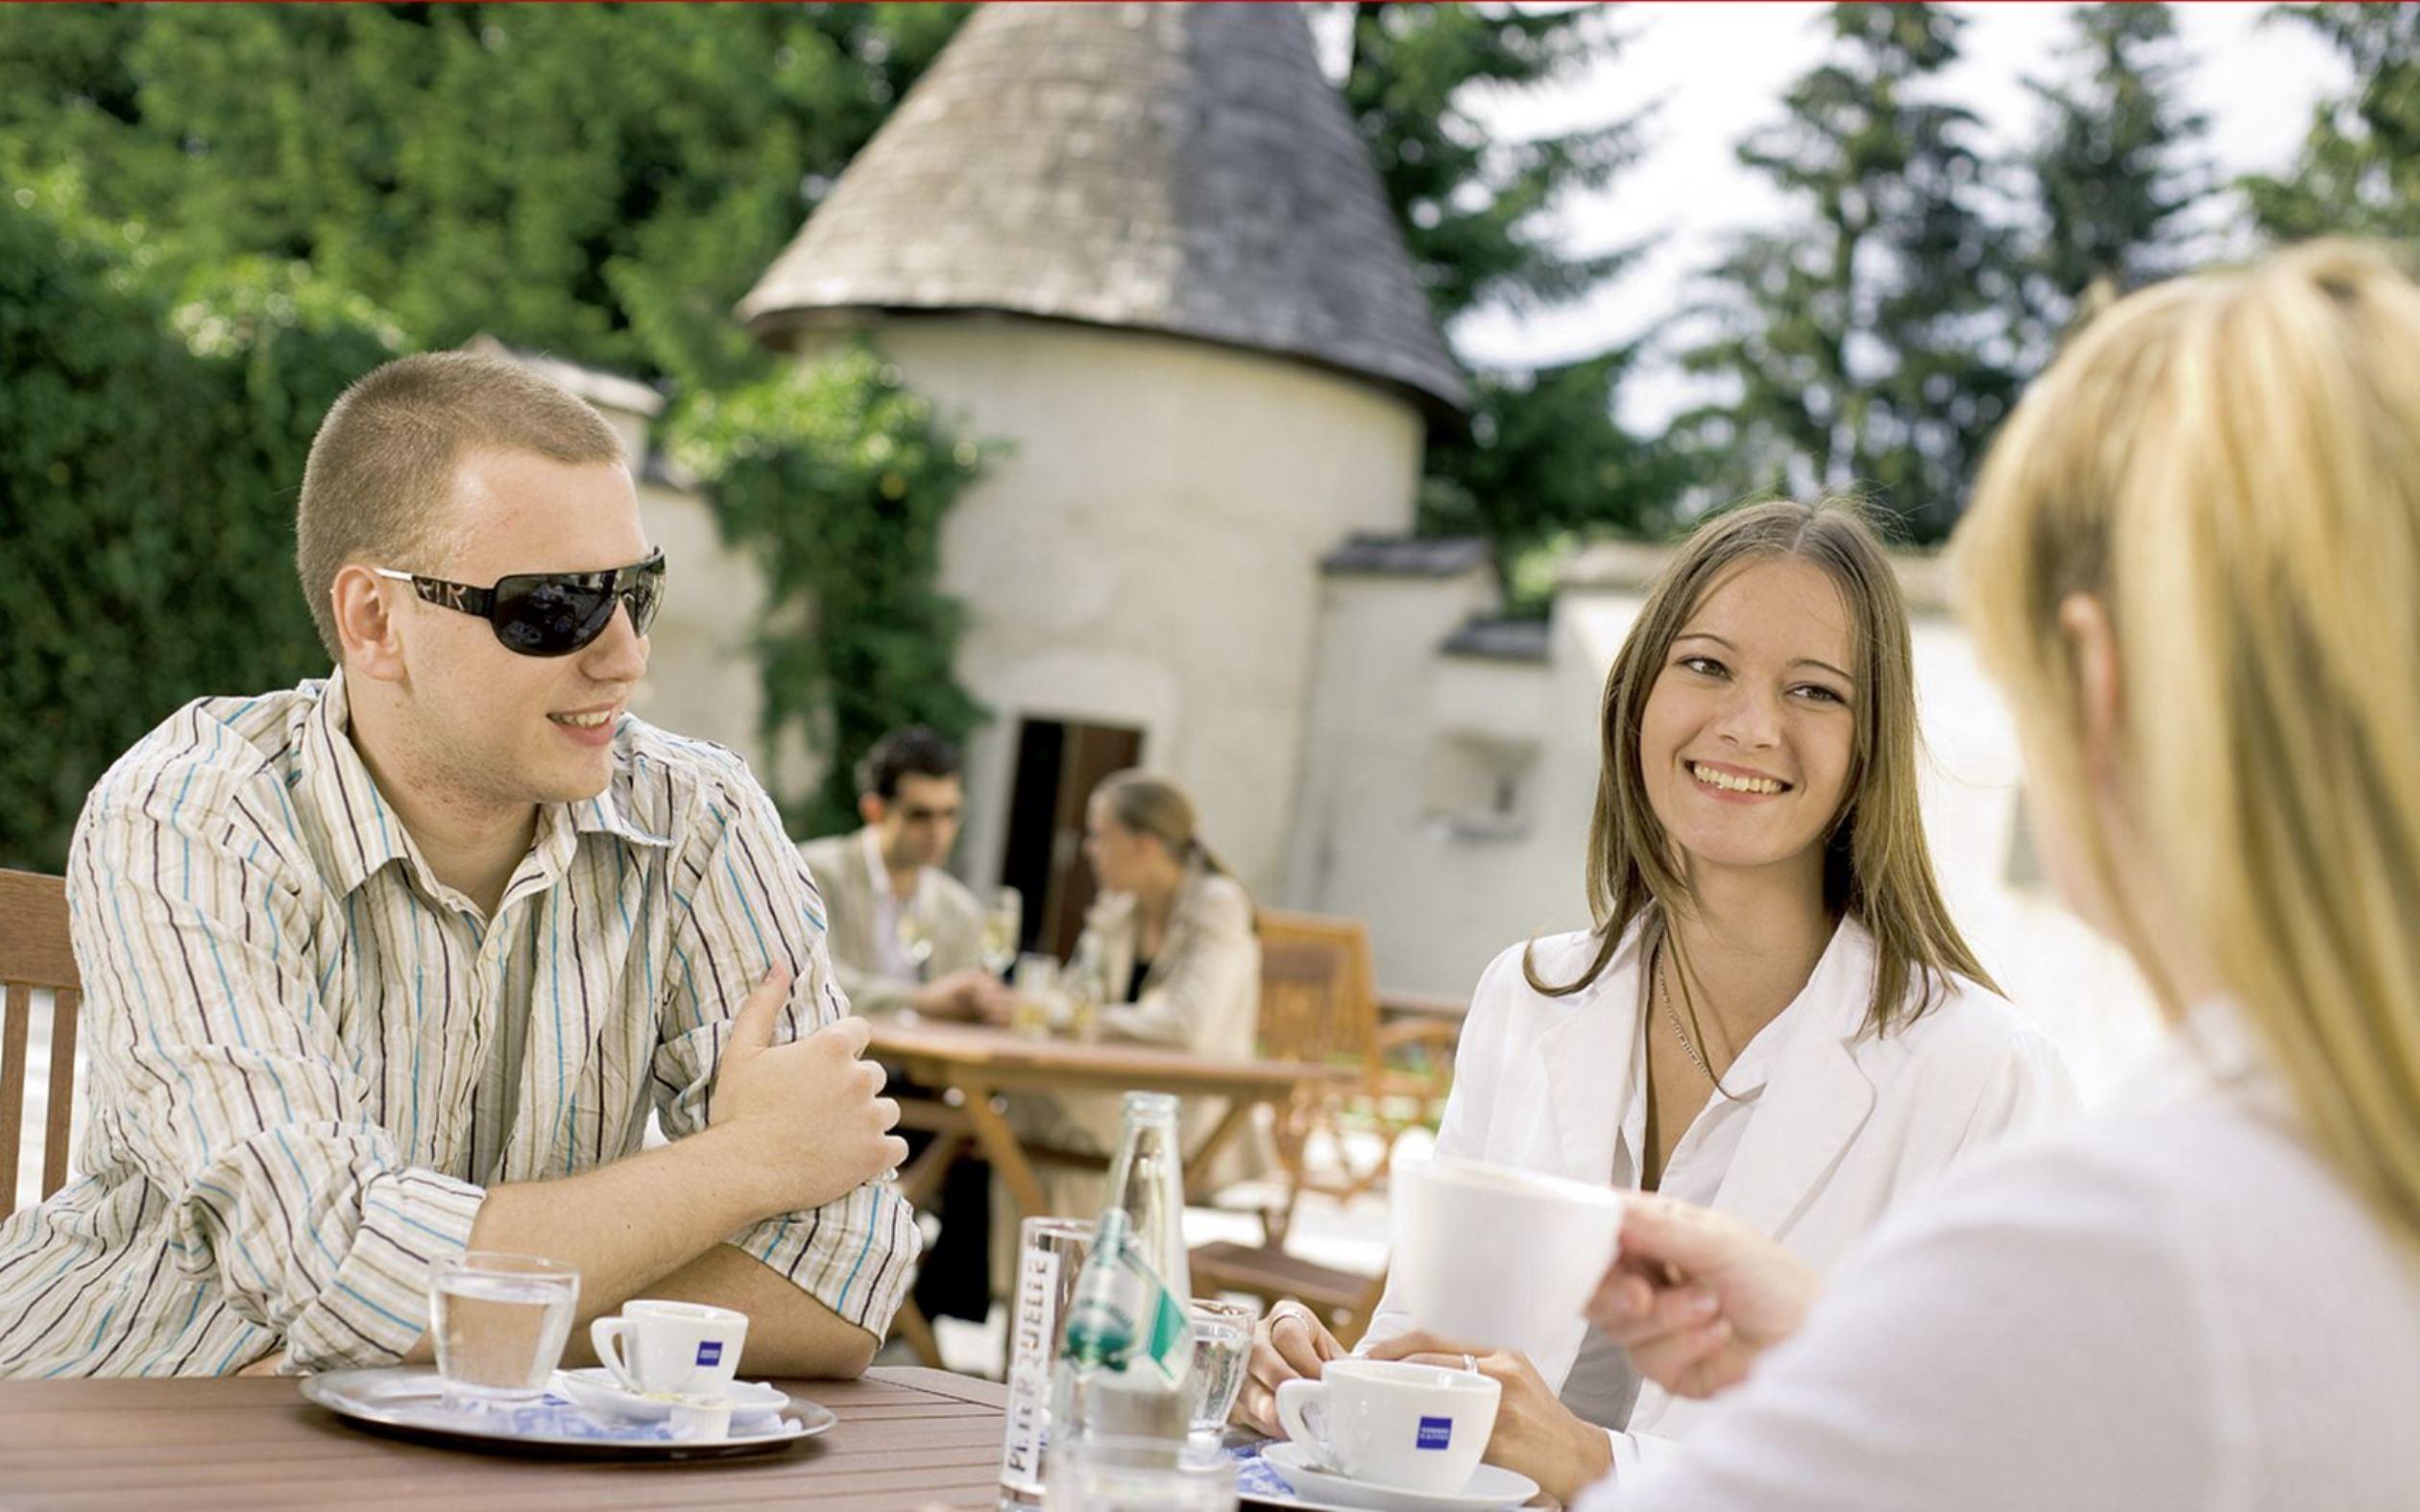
{"x": 1663, "y": 974}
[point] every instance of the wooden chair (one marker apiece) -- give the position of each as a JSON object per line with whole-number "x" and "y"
{"x": 35, "y": 954}
{"x": 1318, "y": 1003}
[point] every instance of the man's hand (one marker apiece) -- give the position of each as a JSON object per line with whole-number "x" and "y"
{"x": 810, "y": 1110}
{"x": 1536, "y": 1435}
{"x": 968, "y": 994}
{"x": 1287, "y": 1343}
{"x": 1697, "y": 1295}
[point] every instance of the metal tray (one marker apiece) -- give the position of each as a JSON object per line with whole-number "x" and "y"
{"x": 410, "y": 1403}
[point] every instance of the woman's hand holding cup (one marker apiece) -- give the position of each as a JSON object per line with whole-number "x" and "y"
{"x": 1289, "y": 1344}
{"x": 1698, "y": 1295}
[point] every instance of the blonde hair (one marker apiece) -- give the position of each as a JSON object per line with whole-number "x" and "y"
{"x": 1150, "y": 804}
{"x": 1877, "y": 866}
{"x": 2231, "y": 464}
{"x": 378, "y": 481}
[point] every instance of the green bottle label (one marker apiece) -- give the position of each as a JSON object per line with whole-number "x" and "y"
{"x": 1170, "y": 1350}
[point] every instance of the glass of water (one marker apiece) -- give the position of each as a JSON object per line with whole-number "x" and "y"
{"x": 1140, "y": 1474}
{"x": 499, "y": 1321}
{"x": 1048, "y": 1258}
{"x": 1222, "y": 1343}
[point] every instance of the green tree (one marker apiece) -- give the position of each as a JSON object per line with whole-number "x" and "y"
{"x": 603, "y": 181}
{"x": 2358, "y": 172}
{"x": 1543, "y": 454}
{"x": 1869, "y": 341}
{"x": 2109, "y": 168}
{"x": 149, "y": 443}
{"x": 1544, "y": 462}
{"x": 842, "y": 511}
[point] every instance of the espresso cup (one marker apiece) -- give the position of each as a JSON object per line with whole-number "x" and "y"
{"x": 1392, "y": 1423}
{"x": 678, "y": 1348}
{"x": 1497, "y": 1258}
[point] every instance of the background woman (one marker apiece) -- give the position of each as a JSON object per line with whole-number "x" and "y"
{"x": 1171, "y": 935}
{"x": 1773, "y": 1013}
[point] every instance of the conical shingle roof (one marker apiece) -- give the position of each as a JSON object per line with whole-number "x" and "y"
{"x": 1180, "y": 168}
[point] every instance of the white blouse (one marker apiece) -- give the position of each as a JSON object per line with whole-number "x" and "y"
{"x": 1602, "y": 1387}
{"x": 2175, "y": 1304}
{"x": 1836, "y": 1125}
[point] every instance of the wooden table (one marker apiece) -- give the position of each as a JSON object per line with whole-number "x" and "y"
{"x": 968, "y": 1064}
{"x": 908, "y": 1438}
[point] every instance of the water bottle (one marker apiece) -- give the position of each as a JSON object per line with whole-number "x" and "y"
{"x": 1125, "y": 1370}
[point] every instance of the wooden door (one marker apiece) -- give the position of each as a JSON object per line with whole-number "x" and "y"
{"x": 1059, "y": 765}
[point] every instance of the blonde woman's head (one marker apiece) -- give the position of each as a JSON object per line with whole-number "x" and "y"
{"x": 2193, "y": 561}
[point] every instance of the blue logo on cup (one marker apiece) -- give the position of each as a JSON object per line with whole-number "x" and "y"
{"x": 709, "y": 1353}
{"x": 1436, "y": 1432}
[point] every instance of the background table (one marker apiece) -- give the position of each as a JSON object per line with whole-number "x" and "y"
{"x": 908, "y": 1438}
{"x": 967, "y": 1065}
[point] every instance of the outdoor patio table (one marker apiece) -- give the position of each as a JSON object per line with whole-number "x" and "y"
{"x": 968, "y": 1064}
{"x": 908, "y": 1438}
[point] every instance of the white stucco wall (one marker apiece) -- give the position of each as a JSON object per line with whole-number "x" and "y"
{"x": 1146, "y": 555}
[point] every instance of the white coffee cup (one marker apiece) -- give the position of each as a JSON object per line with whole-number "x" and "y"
{"x": 678, "y": 1348}
{"x": 1491, "y": 1256}
{"x": 1392, "y": 1423}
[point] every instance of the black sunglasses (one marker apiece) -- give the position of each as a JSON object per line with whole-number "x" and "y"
{"x": 551, "y": 613}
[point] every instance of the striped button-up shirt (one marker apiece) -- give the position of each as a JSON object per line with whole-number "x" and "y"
{"x": 299, "y": 1089}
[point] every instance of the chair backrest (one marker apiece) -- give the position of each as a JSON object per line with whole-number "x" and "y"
{"x": 1316, "y": 999}
{"x": 36, "y": 954}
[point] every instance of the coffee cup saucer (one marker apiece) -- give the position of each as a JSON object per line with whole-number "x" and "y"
{"x": 1490, "y": 1486}
{"x": 596, "y": 1389}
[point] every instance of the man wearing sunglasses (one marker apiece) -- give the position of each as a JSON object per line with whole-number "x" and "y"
{"x": 398, "y": 963}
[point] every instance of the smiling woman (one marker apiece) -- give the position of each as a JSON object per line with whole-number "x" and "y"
{"x": 1773, "y": 1013}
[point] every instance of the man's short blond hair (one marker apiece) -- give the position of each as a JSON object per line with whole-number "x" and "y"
{"x": 377, "y": 487}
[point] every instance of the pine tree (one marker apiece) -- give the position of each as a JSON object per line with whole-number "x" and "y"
{"x": 1543, "y": 454}
{"x": 1869, "y": 341}
{"x": 2109, "y": 168}
{"x": 2359, "y": 169}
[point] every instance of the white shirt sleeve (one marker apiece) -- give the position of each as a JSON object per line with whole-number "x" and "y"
{"x": 2038, "y": 1336}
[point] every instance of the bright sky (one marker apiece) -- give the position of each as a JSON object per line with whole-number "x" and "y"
{"x": 1721, "y": 71}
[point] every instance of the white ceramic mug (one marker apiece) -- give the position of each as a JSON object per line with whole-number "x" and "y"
{"x": 683, "y": 1348}
{"x": 1496, "y": 1258}
{"x": 1390, "y": 1423}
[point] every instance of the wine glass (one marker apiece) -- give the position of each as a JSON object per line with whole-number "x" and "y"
{"x": 1002, "y": 922}
{"x": 915, "y": 939}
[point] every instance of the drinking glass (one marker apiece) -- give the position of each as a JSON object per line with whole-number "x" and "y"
{"x": 1081, "y": 985}
{"x": 499, "y": 1322}
{"x": 1140, "y": 1474}
{"x": 1037, "y": 983}
{"x": 1223, "y": 1342}
{"x": 1049, "y": 1253}
{"x": 1003, "y": 924}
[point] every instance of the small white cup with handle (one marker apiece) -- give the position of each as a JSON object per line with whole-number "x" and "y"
{"x": 672, "y": 1348}
{"x": 1392, "y": 1422}
{"x": 1493, "y": 1257}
